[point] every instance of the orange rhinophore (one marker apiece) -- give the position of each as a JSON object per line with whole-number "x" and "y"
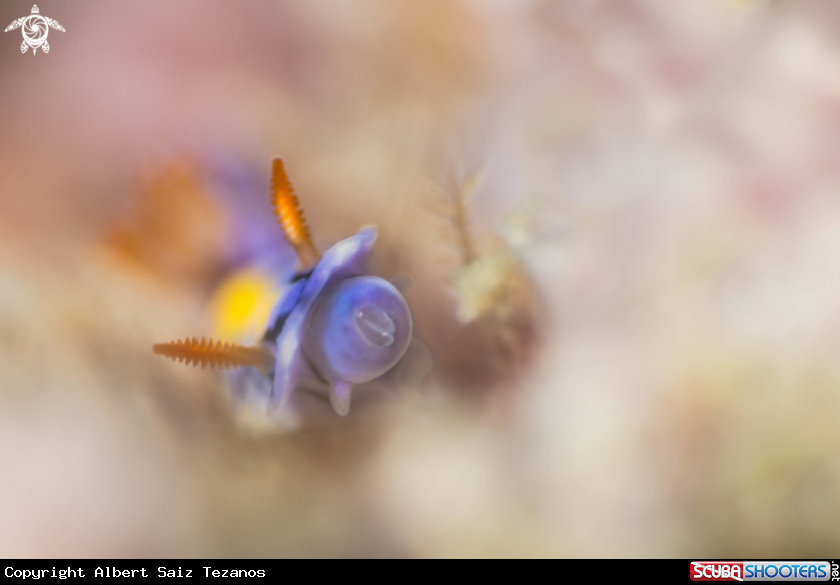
{"x": 290, "y": 216}
{"x": 216, "y": 354}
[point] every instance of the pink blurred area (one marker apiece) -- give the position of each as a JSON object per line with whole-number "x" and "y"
{"x": 674, "y": 168}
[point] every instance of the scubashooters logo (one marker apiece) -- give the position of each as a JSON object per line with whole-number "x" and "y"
{"x": 35, "y": 30}
{"x": 760, "y": 571}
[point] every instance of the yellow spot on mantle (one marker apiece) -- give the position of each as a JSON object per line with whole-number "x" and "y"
{"x": 242, "y": 305}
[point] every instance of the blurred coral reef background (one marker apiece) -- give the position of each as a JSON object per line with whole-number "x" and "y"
{"x": 636, "y": 353}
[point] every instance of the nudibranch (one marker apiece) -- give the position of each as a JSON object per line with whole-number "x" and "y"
{"x": 334, "y": 326}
